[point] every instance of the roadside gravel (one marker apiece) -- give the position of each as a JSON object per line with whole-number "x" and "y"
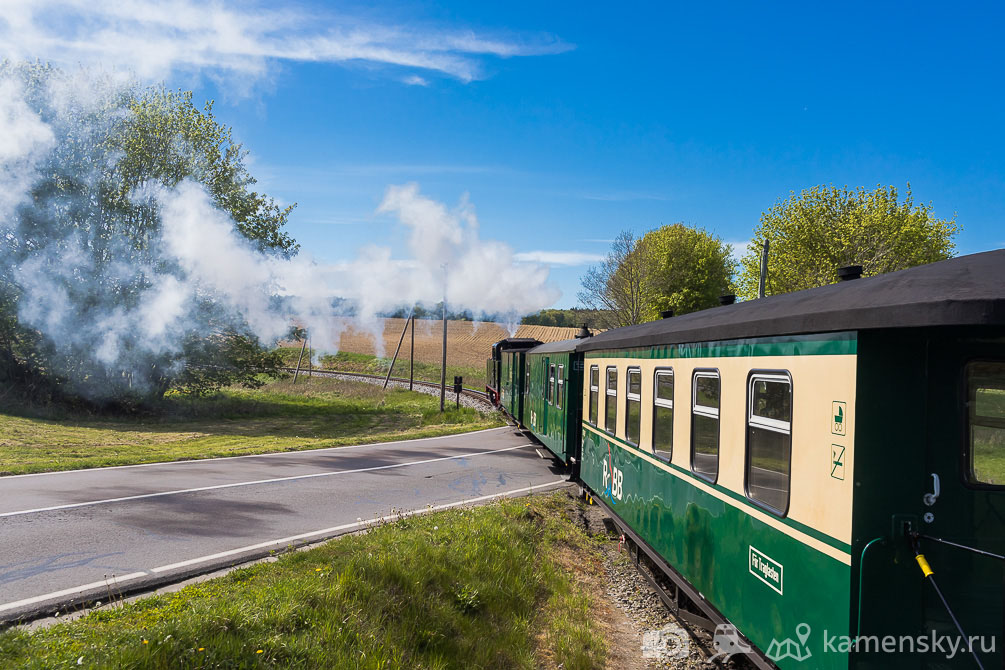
{"x": 630, "y": 593}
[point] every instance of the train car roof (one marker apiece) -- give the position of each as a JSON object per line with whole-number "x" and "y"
{"x": 516, "y": 343}
{"x": 963, "y": 291}
{"x": 561, "y": 346}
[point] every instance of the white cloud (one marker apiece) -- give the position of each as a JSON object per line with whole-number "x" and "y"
{"x": 738, "y": 248}
{"x": 237, "y": 39}
{"x": 415, "y": 80}
{"x": 568, "y": 258}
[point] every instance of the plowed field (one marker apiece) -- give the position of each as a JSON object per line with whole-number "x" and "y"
{"x": 468, "y": 342}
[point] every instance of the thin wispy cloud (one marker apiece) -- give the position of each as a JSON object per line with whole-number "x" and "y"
{"x": 622, "y": 196}
{"x": 244, "y": 39}
{"x": 565, "y": 258}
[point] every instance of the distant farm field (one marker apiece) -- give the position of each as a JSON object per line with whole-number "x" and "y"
{"x": 468, "y": 346}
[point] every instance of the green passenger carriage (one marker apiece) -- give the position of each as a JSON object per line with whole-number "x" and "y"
{"x": 553, "y": 386}
{"x": 784, "y": 461}
{"x": 505, "y": 375}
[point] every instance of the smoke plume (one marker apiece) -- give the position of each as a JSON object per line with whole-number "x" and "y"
{"x": 107, "y": 298}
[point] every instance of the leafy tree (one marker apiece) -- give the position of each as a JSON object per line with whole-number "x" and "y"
{"x": 81, "y": 206}
{"x": 617, "y": 288}
{"x": 689, "y": 268}
{"x": 563, "y": 318}
{"x": 821, "y": 229}
{"x": 164, "y": 138}
{"x": 673, "y": 267}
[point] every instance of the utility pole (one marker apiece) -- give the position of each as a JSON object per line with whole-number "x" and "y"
{"x": 300, "y": 360}
{"x": 411, "y": 355}
{"x": 764, "y": 269}
{"x": 396, "y": 350}
{"x": 443, "y": 361}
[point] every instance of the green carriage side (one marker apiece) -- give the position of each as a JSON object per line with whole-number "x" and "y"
{"x": 554, "y": 377}
{"x": 776, "y": 457}
{"x": 505, "y": 374}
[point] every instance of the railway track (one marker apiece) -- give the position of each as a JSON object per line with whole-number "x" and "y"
{"x": 479, "y": 396}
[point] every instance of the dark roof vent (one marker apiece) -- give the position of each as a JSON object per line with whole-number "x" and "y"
{"x": 583, "y": 333}
{"x": 666, "y": 314}
{"x": 849, "y": 272}
{"x": 727, "y": 299}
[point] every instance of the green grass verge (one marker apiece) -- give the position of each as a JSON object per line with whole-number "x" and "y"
{"x": 281, "y": 416}
{"x": 344, "y": 361}
{"x": 490, "y": 587}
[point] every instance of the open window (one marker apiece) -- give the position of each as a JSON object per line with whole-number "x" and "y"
{"x": 769, "y": 439}
{"x": 594, "y": 393}
{"x": 705, "y": 389}
{"x": 986, "y": 424}
{"x": 611, "y": 405}
{"x": 633, "y": 406}
{"x": 663, "y": 414}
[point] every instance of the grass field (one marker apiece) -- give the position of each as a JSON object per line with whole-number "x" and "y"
{"x": 314, "y": 413}
{"x": 469, "y": 345}
{"x": 490, "y": 587}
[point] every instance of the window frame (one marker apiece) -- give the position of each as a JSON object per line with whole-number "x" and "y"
{"x": 559, "y": 386}
{"x": 607, "y": 398}
{"x": 712, "y": 373}
{"x": 630, "y": 399}
{"x": 967, "y": 467}
{"x": 773, "y": 425}
{"x": 593, "y": 421}
{"x": 550, "y": 392}
{"x": 662, "y": 402}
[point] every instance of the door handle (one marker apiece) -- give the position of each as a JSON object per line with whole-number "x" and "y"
{"x": 930, "y": 498}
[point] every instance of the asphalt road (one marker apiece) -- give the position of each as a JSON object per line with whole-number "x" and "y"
{"x": 76, "y": 536}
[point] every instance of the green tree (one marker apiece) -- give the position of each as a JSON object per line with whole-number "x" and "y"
{"x": 617, "y": 287}
{"x": 164, "y": 138}
{"x": 821, "y": 229}
{"x": 688, "y": 269}
{"x": 675, "y": 267}
{"x": 81, "y": 206}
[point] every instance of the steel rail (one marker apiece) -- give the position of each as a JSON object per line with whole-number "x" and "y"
{"x": 477, "y": 395}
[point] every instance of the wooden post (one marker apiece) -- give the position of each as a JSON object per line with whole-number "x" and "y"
{"x": 400, "y": 340}
{"x": 297, "y": 373}
{"x": 443, "y": 361}
{"x": 764, "y": 270}
{"x": 411, "y": 356}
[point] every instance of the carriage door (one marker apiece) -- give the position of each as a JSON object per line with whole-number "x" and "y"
{"x": 963, "y": 499}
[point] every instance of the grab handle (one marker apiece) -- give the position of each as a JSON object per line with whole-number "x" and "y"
{"x": 930, "y": 498}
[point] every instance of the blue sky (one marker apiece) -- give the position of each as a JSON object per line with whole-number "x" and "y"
{"x": 565, "y": 123}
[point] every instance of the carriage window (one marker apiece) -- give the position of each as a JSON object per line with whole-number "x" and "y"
{"x": 705, "y": 424}
{"x": 594, "y": 393}
{"x": 561, "y": 386}
{"x": 986, "y": 404}
{"x": 769, "y": 439}
{"x": 633, "y": 406}
{"x": 663, "y": 414}
{"x": 611, "y": 405}
{"x": 550, "y": 390}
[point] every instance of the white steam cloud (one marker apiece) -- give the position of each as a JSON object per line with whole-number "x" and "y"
{"x": 97, "y": 296}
